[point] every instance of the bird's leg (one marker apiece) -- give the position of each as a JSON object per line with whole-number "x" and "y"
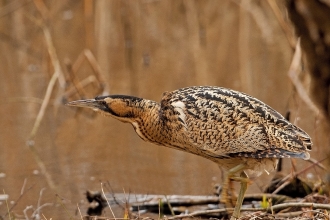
{"x": 233, "y": 195}
{"x": 244, "y": 182}
{"x": 227, "y": 183}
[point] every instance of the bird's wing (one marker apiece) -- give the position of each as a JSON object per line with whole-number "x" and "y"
{"x": 224, "y": 122}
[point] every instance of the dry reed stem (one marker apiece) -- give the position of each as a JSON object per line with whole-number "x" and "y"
{"x": 12, "y": 6}
{"x": 89, "y": 25}
{"x": 98, "y": 75}
{"x": 23, "y": 187}
{"x": 57, "y": 72}
{"x": 56, "y": 75}
{"x": 42, "y": 8}
{"x": 258, "y": 14}
{"x": 284, "y": 25}
{"x": 72, "y": 74}
{"x": 78, "y": 62}
{"x": 89, "y": 56}
{"x": 97, "y": 70}
{"x": 293, "y": 73}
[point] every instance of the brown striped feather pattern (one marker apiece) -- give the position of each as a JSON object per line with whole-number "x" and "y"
{"x": 223, "y": 125}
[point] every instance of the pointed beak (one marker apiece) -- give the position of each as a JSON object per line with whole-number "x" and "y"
{"x": 86, "y": 103}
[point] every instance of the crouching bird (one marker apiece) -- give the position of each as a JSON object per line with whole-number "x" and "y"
{"x": 238, "y": 132}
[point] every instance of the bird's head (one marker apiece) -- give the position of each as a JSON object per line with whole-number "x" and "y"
{"x": 122, "y": 107}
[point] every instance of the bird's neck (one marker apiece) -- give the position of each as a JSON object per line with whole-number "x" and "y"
{"x": 146, "y": 122}
{"x": 153, "y": 125}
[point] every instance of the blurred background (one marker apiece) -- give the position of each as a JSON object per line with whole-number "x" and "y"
{"x": 52, "y": 52}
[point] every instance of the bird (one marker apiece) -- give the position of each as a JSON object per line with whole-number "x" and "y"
{"x": 240, "y": 133}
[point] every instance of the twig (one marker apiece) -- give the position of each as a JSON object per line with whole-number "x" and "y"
{"x": 317, "y": 163}
{"x": 274, "y": 207}
{"x": 298, "y": 173}
{"x": 267, "y": 195}
{"x": 293, "y": 74}
{"x": 296, "y": 213}
{"x": 79, "y": 212}
{"x": 62, "y": 204}
{"x": 36, "y": 212}
{"x": 289, "y": 214}
{"x": 301, "y": 205}
{"x": 214, "y": 211}
{"x": 8, "y": 210}
{"x": 20, "y": 197}
{"x": 108, "y": 186}
{"x": 23, "y": 187}
{"x": 39, "y": 200}
{"x": 281, "y": 187}
{"x": 44, "y": 216}
{"x": 169, "y": 205}
{"x": 25, "y": 210}
{"x": 152, "y": 200}
{"x": 107, "y": 202}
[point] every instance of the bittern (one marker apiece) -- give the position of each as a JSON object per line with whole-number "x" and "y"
{"x": 238, "y": 132}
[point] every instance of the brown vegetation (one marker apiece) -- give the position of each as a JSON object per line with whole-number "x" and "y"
{"x": 54, "y": 51}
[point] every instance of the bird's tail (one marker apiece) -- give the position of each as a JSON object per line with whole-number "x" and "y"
{"x": 304, "y": 138}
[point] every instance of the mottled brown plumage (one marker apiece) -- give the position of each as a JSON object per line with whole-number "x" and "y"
{"x": 225, "y": 126}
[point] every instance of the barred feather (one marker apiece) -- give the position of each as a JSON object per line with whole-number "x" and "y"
{"x": 223, "y": 125}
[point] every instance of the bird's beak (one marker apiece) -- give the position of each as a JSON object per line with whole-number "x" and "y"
{"x": 86, "y": 103}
